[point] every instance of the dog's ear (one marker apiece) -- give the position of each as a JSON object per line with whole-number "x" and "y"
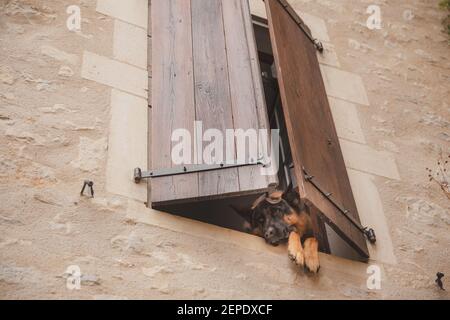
{"x": 292, "y": 197}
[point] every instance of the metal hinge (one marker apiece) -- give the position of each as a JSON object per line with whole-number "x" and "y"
{"x": 139, "y": 175}
{"x": 299, "y": 22}
{"x": 368, "y": 232}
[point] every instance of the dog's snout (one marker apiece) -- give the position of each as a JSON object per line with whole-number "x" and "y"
{"x": 269, "y": 233}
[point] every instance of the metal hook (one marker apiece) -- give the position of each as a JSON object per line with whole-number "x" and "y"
{"x": 90, "y": 184}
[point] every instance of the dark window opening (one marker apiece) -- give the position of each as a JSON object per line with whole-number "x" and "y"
{"x": 286, "y": 175}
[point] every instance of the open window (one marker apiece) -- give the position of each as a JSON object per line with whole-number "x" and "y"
{"x": 217, "y": 67}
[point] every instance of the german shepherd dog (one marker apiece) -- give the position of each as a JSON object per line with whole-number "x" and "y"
{"x": 278, "y": 217}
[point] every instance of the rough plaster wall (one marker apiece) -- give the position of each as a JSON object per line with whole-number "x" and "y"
{"x": 406, "y": 68}
{"x": 54, "y": 134}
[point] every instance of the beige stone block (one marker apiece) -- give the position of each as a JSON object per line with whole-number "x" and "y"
{"x": 127, "y": 146}
{"x": 60, "y": 55}
{"x": 363, "y": 158}
{"x": 346, "y": 119}
{"x": 371, "y": 213}
{"x": 317, "y": 25}
{"x": 130, "y": 44}
{"x": 132, "y": 11}
{"x": 344, "y": 85}
{"x": 115, "y": 74}
{"x": 328, "y": 56}
{"x": 258, "y": 8}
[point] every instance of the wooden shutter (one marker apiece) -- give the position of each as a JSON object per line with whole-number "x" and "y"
{"x": 205, "y": 68}
{"x": 312, "y": 134}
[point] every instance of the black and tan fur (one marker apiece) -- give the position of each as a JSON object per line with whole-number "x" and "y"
{"x": 281, "y": 217}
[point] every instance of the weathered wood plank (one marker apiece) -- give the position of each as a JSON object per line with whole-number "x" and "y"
{"x": 149, "y": 28}
{"x": 173, "y": 105}
{"x": 212, "y": 91}
{"x": 149, "y": 56}
{"x": 242, "y": 88}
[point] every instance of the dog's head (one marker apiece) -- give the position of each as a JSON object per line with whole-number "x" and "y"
{"x": 267, "y": 216}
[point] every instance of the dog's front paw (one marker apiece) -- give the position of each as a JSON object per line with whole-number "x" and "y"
{"x": 295, "y": 249}
{"x": 312, "y": 255}
{"x": 313, "y": 264}
{"x": 298, "y": 258}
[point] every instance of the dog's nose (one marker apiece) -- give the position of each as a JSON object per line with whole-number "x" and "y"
{"x": 269, "y": 233}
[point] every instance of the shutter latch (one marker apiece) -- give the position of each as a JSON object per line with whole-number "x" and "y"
{"x": 139, "y": 175}
{"x": 368, "y": 232}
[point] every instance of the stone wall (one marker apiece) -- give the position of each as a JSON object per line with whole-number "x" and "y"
{"x": 73, "y": 106}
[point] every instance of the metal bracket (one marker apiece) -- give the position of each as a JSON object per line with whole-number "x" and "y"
{"x": 90, "y": 185}
{"x": 139, "y": 175}
{"x": 368, "y": 232}
{"x": 287, "y": 7}
{"x": 439, "y": 281}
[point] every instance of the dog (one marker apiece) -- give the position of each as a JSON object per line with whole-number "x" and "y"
{"x": 281, "y": 217}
